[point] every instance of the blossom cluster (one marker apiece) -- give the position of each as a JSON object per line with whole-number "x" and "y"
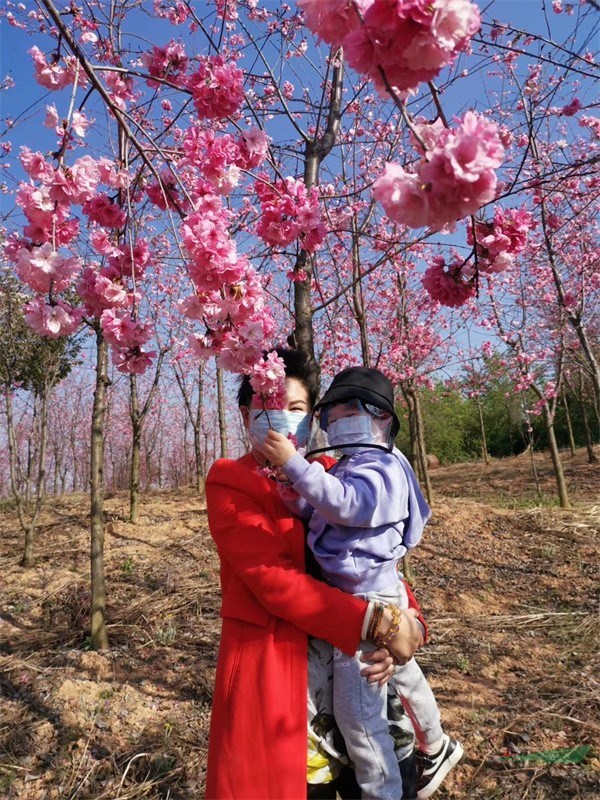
{"x": 501, "y": 239}
{"x": 45, "y": 270}
{"x": 47, "y": 201}
{"x": 217, "y": 87}
{"x": 396, "y": 43}
{"x": 220, "y": 159}
{"x": 51, "y": 75}
{"x": 267, "y": 378}
{"x": 228, "y": 297}
{"x": 453, "y": 179}
{"x": 289, "y": 211}
{"x": 52, "y": 319}
{"x": 176, "y": 11}
{"x": 168, "y": 63}
{"x": 449, "y": 284}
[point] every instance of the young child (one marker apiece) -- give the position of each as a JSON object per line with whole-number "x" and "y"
{"x": 364, "y": 514}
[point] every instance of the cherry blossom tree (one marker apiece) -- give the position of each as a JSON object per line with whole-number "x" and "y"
{"x": 215, "y": 151}
{"x": 34, "y": 367}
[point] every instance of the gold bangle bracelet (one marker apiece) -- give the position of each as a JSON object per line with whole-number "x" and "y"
{"x": 376, "y": 616}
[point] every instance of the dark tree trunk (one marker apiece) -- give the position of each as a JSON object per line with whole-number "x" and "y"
{"x": 99, "y": 633}
{"x": 569, "y": 423}
{"x": 136, "y": 445}
{"x": 420, "y": 450}
{"x": 589, "y": 442}
{"x": 316, "y": 149}
{"x": 221, "y": 412}
{"x": 563, "y": 494}
{"x": 484, "y": 449}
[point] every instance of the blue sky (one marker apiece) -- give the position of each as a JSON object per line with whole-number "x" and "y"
{"x": 26, "y": 101}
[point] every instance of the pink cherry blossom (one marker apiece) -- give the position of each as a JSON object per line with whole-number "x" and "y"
{"x": 202, "y": 345}
{"x": 166, "y": 194}
{"x": 121, "y": 330}
{"x": 593, "y": 123}
{"x": 288, "y": 212}
{"x": 88, "y": 37}
{"x": 571, "y": 108}
{"x": 234, "y": 353}
{"x": 120, "y": 88}
{"x": 410, "y": 41}
{"x": 499, "y": 241}
{"x": 333, "y": 19}
{"x": 102, "y": 210}
{"x": 267, "y": 378}
{"x": 213, "y": 255}
{"x": 111, "y": 176}
{"x": 297, "y": 276}
{"x": 76, "y": 184}
{"x": 12, "y": 246}
{"x": 134, "y": 361}
{"x": 402, "y": 197}
{"x": 194, "y": 307}
{"x": 51, "y": 118}
{"x": 455, "y": 177}
{"x": 447, "y": 283}
{"x": 37, "y": 204}
{"x": 253, "y": 148}
{"x": 217, "y": 87}
{"x": 52, "y": 75}
{"x": 45, "y": 270}
{"x": 176, "y": 11}
{"x": 454, "y": 23}
{"x": 36, "y": 166}
{"x": 132, "y": 259}
{"x": 54, "y": 228}
{"x": 226, "y": 9}
{"x": 51, "y": 319}
{"x": 215, "y": 156}
{"x": 102, "y": 243}
{"x": 101, "y": 289}
{"x": 168, "y": 62}
{"x": 80, "y": 123}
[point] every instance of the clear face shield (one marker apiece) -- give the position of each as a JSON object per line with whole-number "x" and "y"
{"x": 348, "y": 426}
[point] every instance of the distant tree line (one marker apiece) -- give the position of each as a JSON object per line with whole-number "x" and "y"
{"x": 452, "y": 421}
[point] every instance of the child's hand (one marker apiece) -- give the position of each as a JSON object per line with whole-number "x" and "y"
{"x": 277, "y": 448}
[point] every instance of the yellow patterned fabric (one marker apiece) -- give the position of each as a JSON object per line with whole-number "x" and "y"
{"x": 325, "y": 758}
{"x": 321, "y": 767}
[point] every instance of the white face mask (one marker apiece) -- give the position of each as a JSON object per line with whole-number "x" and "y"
{"x": 350, "y": 430}
{"x": 296, "y": 423}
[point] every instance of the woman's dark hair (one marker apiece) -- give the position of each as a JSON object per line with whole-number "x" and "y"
{"x": 297, "y": 366}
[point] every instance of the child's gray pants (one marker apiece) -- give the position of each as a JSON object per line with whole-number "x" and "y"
{"x": 360, "y": 709}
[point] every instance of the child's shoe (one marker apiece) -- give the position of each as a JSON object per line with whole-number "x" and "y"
{"x": 432, "y": 769}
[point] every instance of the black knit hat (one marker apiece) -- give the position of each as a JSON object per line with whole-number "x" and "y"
{"x": 361, "y": 383}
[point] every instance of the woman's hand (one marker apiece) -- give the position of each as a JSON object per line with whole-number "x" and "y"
{"x": 381, "y": 666}
{"x": 409, "y": 637}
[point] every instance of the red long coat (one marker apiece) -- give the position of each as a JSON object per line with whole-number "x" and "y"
{"x": 258, "y": 732}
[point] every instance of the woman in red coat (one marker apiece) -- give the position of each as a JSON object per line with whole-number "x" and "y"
{"x": 258, "y": 734}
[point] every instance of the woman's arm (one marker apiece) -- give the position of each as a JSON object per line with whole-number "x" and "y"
{"x": 249, "y": 544}
{"x": 252, "y": 549}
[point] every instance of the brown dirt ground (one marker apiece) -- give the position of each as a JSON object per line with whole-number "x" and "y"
{"x": 508, "y": 581}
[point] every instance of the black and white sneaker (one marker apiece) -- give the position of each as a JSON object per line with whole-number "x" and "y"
{"x": 432, "y": 769}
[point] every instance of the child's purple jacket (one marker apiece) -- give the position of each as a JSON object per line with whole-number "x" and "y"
{"x": 367, "y": 511}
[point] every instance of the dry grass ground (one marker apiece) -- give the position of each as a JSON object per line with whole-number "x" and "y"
{"x": 508, "y": 581}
